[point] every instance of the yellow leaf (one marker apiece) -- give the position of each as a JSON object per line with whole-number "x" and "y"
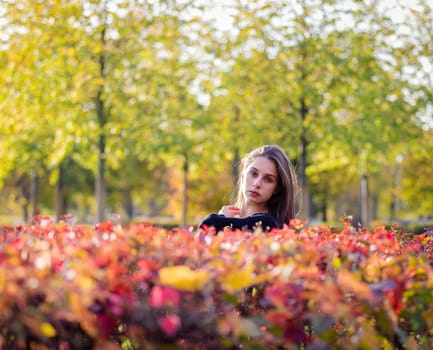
{"x": 237, "y": 280}
{"x": 48, "y": 330}
{"x": 3, "y": 279}
{"x": 183, "y": 278}
{"x": 337, "y": 262}
{"x": 85, "y": 283}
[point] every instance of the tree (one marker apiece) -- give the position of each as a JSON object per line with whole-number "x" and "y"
{"x": 31, "y": 90}
{"x": 107, "y": 75}
{"x": 133, "y": 87}
{"x": 378, "y": 117}
{"x": 290, "y": 70}
{"x": 417, "y": 54}
{"x": 416, "y": 185}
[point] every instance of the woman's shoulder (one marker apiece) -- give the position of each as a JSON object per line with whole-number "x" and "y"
{"x": 212, "y": 216}
{"x": 209, "y": 219}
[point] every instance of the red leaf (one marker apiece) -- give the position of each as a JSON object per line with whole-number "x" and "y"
{"x": 162, "y": 296}
{"x": 170, "y": 324}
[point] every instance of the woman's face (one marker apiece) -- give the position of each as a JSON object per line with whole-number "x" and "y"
{"x": 260, "y": 181}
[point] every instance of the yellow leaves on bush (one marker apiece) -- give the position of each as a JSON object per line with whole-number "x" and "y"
{"x": 48, "y": 330}
{"x": 183, "y": 278}
{"x": 79, "y": 306}
{"x": 38, "y": 326}
{"x": 85, "y": 283}
{"x": 237, "y": 280}
{"x": 3, "y": 279}
{"x": 337, "y": 263}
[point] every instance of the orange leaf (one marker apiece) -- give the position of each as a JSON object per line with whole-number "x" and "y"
{"x": 349, "y": 281}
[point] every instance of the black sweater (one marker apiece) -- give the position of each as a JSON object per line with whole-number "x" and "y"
{"x": 266, "y": 221}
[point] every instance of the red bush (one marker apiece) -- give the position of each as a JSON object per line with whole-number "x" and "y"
{"x": 107, "y": 287}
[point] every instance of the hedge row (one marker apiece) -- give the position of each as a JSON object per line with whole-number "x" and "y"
{"x": 65, "y": 286}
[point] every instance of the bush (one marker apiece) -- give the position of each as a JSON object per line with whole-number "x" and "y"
{"x": 420, "y": 227}
{"x": 141, "y": 286}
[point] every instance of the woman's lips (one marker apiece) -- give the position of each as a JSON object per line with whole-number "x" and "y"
{"x": 254, "y": 193}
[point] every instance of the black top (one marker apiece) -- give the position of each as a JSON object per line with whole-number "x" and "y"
{"x": 266, "y": 221}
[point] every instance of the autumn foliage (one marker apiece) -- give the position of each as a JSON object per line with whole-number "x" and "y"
{"x": 65, "y": 286}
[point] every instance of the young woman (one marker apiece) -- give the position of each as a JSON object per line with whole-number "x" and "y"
{"x": 265, "y": 193}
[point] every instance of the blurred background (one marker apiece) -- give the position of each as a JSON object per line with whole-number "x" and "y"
{"x": 143, "y": 109}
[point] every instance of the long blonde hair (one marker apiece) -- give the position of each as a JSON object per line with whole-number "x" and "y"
{"x": 282, "y": 205}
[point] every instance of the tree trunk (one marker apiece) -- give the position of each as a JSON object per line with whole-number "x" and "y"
{"x": 324, "y": 208}
{"x": 100, "y": 182}
{"x": 302, "y": 174}
{"x": 60, "y": 193}
{"x": 185, "y": 192}
{"x": 25, "y": 208}
{"x": 128, "y": 202}
{"x": 34, "y": 194}
{"x": 236, "y": 155}
{"x": 324, "y": 212}
{"x": 24, "y": 185}
{"x": 235, "y": 165}
{"x": 102, "y": 114}
{"x": 364, "y": 199}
